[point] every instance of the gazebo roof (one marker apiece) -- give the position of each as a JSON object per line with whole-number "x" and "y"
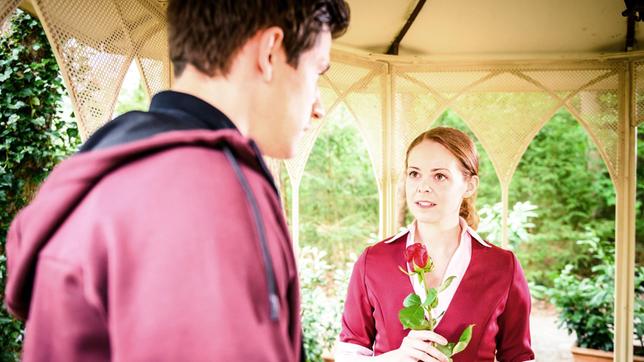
{"x": 448, "y": 27}
{"x": 463, "y": 28}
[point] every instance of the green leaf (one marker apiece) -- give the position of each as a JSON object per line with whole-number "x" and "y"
{"x": 38, "y": 121}
{"x": 446, "y": 349}
{"x": 432, "y": 296}
{"x": 464, "y": 340}
{"x": 446, "y": 284}
{"x": 412, "y": 317}
{"x": 412, "y": 300}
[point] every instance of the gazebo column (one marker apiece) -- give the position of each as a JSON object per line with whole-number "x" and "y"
{"x": 625, "y": 224}
{"x": 7, "y": 9}
{"x": 505, "y": 202}
{"x": 388, "y": 177}
{"x": 295, "y": 217}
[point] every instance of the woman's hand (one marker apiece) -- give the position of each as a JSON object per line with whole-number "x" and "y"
{"x": 417, "y": 346}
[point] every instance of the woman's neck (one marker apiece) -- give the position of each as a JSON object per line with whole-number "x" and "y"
{"x": 441, "y": 237}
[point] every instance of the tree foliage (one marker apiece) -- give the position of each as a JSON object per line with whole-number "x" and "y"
{"x": 338, "y": 193}
{"x": 33, "y": 136}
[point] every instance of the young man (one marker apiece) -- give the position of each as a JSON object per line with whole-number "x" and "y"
{"x": 163, "y": 239}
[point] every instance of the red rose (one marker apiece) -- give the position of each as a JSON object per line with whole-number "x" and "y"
{"x": 416, "y": 254}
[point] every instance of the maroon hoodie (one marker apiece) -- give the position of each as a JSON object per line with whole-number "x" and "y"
{"x": 169, "y": 248}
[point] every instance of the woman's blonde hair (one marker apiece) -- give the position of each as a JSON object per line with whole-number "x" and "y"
{"x": 464, "y": 149}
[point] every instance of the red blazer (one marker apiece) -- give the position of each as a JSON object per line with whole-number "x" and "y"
{"x": 493, "y": 294}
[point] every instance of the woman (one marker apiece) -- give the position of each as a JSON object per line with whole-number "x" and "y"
{"x": 489, "y": 290}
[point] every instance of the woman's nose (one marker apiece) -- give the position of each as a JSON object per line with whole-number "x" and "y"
{"x": 424, "y": 187}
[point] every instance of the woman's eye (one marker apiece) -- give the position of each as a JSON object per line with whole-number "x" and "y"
{"x": 412, "y": 174}
{"x": 440, "y": 177}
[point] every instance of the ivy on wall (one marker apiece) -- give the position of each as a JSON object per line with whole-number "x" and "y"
{"x": 34, "y": 136}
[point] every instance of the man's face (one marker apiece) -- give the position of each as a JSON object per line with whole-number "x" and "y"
{"x": 295, "y": 98}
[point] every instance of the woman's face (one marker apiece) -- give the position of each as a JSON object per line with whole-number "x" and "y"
{"x": 435, "y": 185}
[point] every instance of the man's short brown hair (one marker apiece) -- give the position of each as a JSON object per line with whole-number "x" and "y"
{"x": 208, "y": 33}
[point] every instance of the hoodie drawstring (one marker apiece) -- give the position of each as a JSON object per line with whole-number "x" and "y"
{"x": 273, "y": 300}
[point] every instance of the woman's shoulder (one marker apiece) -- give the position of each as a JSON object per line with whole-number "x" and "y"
{"x": 389, "y": 243}
{"x": 494, "y": 256}
{"x": 387, "y": 249}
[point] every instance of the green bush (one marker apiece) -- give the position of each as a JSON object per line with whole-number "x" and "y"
{"x": 585, "y": 300}
{"x": 324, "y": 290}
{"x": 563, "y": 174}
{"x": 33, "y": 136}
{"x": 519, "y": 223}
{"x": 338, "y": 192}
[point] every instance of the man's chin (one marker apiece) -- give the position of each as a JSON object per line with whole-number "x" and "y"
{"x": 280, "y": 153}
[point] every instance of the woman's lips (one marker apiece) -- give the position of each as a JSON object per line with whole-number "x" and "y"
{"x": 425, "y": 204}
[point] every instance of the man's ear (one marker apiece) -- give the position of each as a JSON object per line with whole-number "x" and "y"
{"x": 472, "y": 186}
{"x": 270, "y": 42}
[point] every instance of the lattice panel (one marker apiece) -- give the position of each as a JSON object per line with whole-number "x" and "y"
{"x": 295, "y": 166}
{"x": 7, "y": 7}
{"x": 93, "y": 50}
{"x": 330, "y": 101}
{"x": 447, "y": 84}
{"x": 95, "y": 42}
{"x": 147, "y": 32}
{"x": 343, "y": 76}
{"x": 415, "y": 108}
{"x": 563, "y": 82}
{"x": 638, "y": 95}
{"x": 596, "y": 106}
{"x": 505, "y": 122}
{"x": 360, "y": 89}
{"x": 365, "y": 104}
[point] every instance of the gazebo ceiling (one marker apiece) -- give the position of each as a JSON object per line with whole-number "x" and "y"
{"x": 471, "y": 27}
{"x": 489, "y": 27}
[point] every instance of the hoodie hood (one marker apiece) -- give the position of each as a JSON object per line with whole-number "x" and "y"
{"x": 74, "y": 178}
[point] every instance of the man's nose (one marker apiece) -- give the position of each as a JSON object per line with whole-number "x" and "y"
{"x": 317, "y": 112}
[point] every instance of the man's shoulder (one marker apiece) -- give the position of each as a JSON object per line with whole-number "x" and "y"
{"x": 173, "y": 168}
{"x": 129, "y": 127}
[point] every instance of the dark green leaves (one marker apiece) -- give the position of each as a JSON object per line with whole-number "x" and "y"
{"x": 412, "y": 316}
{"x": 33, "y": 137}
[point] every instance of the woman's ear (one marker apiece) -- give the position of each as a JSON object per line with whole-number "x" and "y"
{"x": 270, "y": 42}
{"x": 472, "y": 184}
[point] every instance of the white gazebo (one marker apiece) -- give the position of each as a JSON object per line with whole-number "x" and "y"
{"x": 505, "y": 66}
